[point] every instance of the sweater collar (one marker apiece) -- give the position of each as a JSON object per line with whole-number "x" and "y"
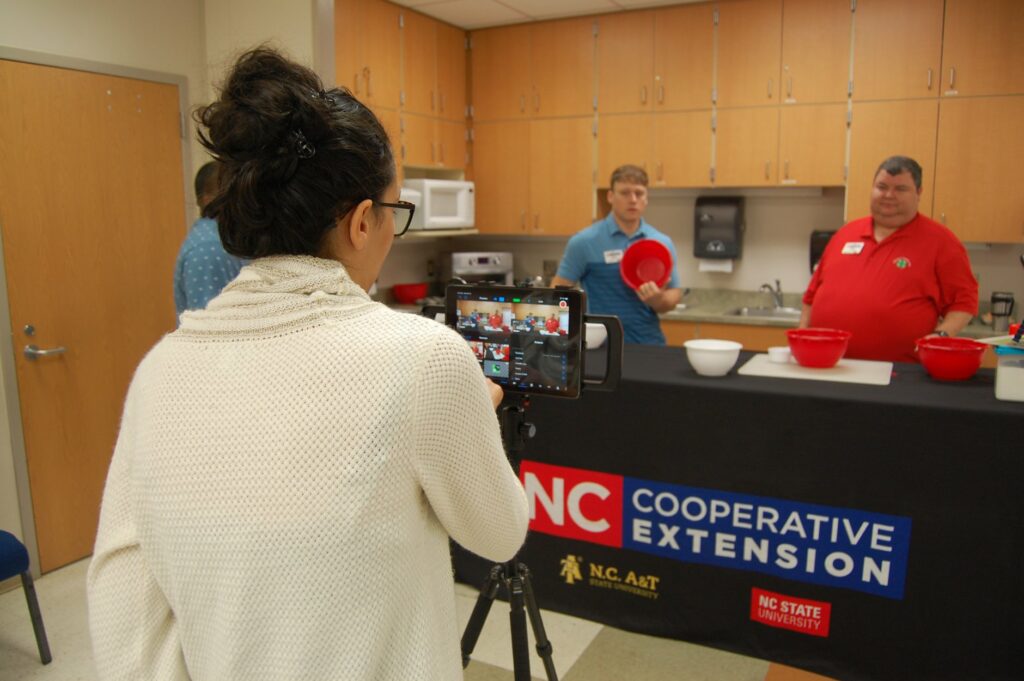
{"x": 296, "y": 274}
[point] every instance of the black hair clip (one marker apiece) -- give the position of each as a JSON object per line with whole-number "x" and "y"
{"x": 303, "y": 149}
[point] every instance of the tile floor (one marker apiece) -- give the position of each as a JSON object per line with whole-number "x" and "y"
{"x": 583, "y": 650}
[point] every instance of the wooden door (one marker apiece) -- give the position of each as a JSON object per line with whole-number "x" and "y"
{"x": 622, "y": 139}
{"x": 625, "y": 62}
{"x": 683, "y": 57}
{"x": 747, "y": 147}
{"x": 92, "y": 210}
{"x": 975, "y": 194}
{"x": 451, "y": 142}
{"x": 451, "y": 73}
{"x": 812, "y": 145}
{"x": 419, "y": 139}
{"x": 379, "y": 43}
{"x": 562, "y": 68}
{"x": 882, "y": 129}
{"x": 896, "y": 49}
{"x": 983, "y": 48}
{"x": 419, "y": 61}
{"x": 682, "y": 149}
{"x": 749, "y": 52}
{"x": 501, "y": 167}
{"x": 561, "y": 175}
{"x": 815, "y": 50}
{"x": 500, "y": 64}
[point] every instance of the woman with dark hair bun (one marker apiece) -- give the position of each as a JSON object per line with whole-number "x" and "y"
{"x": 293, "y": 459}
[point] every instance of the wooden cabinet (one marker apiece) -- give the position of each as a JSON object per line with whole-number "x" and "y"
{"x": 896, "y": 49}
{"x": 815, "y": 50}
{"x": 749, "y": 52}
{"x": 747, "y": 147}
{"x": 452, "y": 87}
{"x": 393, "y": 126}
{"x": 432, "y": 142}
{"x": 433, "y": 67}
{"x": 683, "y": 57}
{"x": 812, "y": 145}
{"x": 537, "y": 70}
{"x": 677, "y": 333}
{"x": 625, "y": 62}
{"x": 973, "y": 182}
{"x": 533, "y": 177}
{"x": 674, "y": 148}
{"x": 367, "y": 61}
{"x": 982, "y": 48}
{"x": 753, "y": 338}
{"x": 882, "y": 129}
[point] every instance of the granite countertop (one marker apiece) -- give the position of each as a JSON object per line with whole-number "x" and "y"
{"x": 711, "y": 305}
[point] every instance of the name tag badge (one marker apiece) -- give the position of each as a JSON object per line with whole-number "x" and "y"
{"x": 612, "y": 257}
{"x": 853, "y": 247}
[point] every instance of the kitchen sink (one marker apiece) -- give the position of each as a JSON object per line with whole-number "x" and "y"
{"x": 767, "y": 312}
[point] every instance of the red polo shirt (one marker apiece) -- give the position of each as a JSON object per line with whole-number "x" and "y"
{"x": 889, "y": 294}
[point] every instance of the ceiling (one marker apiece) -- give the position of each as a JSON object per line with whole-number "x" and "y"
{"x": 472, "y": 14}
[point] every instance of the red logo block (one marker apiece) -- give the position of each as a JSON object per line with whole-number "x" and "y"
{"x": 789, "y": 612}
{"x": 574, "y": 503}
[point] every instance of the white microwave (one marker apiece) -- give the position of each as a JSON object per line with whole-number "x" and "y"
{"x": 441, "y": 204}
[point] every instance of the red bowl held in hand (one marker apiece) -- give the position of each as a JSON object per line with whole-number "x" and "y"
{"x": 407, "y": 294}
{"x": 818, "y": 348}
{"x": 646, "y": 260}
{"x": 950, "y": 359}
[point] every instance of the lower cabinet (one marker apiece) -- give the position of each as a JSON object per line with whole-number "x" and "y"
{"x": 755, "y": 338}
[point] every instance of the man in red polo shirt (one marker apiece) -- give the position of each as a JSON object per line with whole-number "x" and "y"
{"x": 893, "y": 277}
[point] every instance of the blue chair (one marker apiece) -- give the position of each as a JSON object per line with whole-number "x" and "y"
{"x": 14, "y": 561}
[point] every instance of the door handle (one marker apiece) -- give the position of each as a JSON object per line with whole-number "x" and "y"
{"x": 33, "y": 351}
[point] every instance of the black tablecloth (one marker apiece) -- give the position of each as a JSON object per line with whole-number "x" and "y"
{"x": 945, "y": 459}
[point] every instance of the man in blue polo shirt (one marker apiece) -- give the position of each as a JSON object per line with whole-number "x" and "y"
{"x": 592, "y": 259}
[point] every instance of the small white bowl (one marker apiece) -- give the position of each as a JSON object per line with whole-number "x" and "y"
{"x": 712, "y": 357}
{"x": 595, "y": 335}
{"x": 779, "y": 354}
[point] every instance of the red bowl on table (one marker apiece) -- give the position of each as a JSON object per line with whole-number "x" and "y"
{"x": 818, "y": 348}
{"x": 646, "y": 260}
{"x": 408, "y": 294}
{"x": 950, "y": 359}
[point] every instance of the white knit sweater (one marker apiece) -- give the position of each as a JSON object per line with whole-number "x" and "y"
{"x": 290, "y": 465}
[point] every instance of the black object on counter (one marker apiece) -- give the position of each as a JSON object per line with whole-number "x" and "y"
{"x": 819, "y": 239}
{"x": 718, "y": 226}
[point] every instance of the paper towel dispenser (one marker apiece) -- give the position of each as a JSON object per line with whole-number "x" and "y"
{"x": 718, "y": 227}
{"x": 819, "y": 239}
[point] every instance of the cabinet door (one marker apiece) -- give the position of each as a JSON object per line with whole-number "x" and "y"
{"x": 983, "y": 49}
{"x": 562, "y": 68}
{"x": 890, "y": 61}
{"x": 561, "y": 175}
{"x": 974, "y": 187}
{"x": 392, "y": 125}
{"x": 746, "y": 147}
{"x": 419, "y": 141}
{"x": 379, "y": 37}
{"x": 812, "y": 144}
{"x": 501, "y": 155}
{"x": 815, "y": 50}
{"x": 749, "y": 51}
{"x": 621, "y": 139}
{"x": 451, "y": 142}
{"x": 625, "y": 62}
{"x": 451, "y": 73}
{"x": 757, "y": 338}
{"x": 883, "y": 129}
{"x": 682, "y": 149}
{"x": 683, "y": 57}
{"x": 500, "y": 63}
{"x": 676, "y": 332}
{"x": 419, "y": 57}
{"x": 348, "y": 61}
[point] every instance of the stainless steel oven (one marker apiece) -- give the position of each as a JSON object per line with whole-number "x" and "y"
{"x": 478, "y": 266}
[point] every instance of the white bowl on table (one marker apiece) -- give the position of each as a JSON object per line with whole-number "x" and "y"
{"x": 712, "y": 357}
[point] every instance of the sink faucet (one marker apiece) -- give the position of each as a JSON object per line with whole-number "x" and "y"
{"x": 776, "y": 293}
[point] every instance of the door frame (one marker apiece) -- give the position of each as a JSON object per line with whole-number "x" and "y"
{"x": 7, "y": 349}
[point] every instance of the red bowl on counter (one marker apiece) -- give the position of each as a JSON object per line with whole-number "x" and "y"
{"x": 950, "y": 359}
{"x": 818, "y": 348}
{"x": 408, "y": 294}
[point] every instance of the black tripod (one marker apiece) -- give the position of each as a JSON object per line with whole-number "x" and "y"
{"x": 514, "y": 576}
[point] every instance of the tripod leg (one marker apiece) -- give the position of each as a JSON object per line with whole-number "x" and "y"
{"x": 544, "y": 647}
{"x": 483, "y": 606}
{"x": 517, "y": 623}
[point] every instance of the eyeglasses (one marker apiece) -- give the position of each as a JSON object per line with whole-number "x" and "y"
{"x": 401, "y": 223}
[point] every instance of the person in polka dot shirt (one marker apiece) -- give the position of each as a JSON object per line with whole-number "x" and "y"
{"x": 203, "y": 267}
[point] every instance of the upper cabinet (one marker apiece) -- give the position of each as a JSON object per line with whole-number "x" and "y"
{"x": 674, "y": 148}
{"x": 433, "y": 67}
{"x": 533, "y": 71}
{"x": 983, "y": 48}
{"x": 749, "y": 52}
{"x": 625, "y": 62}
{"x": 451, "y": 72}
{"x": 897, "y": 47}
{"x": 367, "y": 62}
{"x": 815, "y": 51}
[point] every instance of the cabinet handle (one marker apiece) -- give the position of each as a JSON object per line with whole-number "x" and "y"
{"x": 522, "y": 103}
{"x": 786, "y": 169}
{"x": 942, "y": 218}
{"x": 929, "y": 79}
{"x": 433, "y": 155}
{"x": 952, "y": 77}
{"x": 369, "y": 81}
{"x": 536, "y": 222}
{"x": 660, "y": 175}
{"x": 767, "y": 170}
{"x": 522, "y": 220}
{"x": 643, "y": 94}
{"x": 442, "y": 153}
{"x": 661, "y": 94}
{"x": 770, "y": 88}
{"x": 536, "y": 102}
{"x": 432, "y": 102}
{"x": 442, "y": 102}
{"x": 355, "y": 83}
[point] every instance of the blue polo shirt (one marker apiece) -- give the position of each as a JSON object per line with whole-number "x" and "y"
{"x": 203, "y": 267}
{"x": 592, "y": 259}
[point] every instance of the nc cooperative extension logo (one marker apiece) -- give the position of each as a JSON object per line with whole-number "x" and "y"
{"x": 831, "y": 546}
